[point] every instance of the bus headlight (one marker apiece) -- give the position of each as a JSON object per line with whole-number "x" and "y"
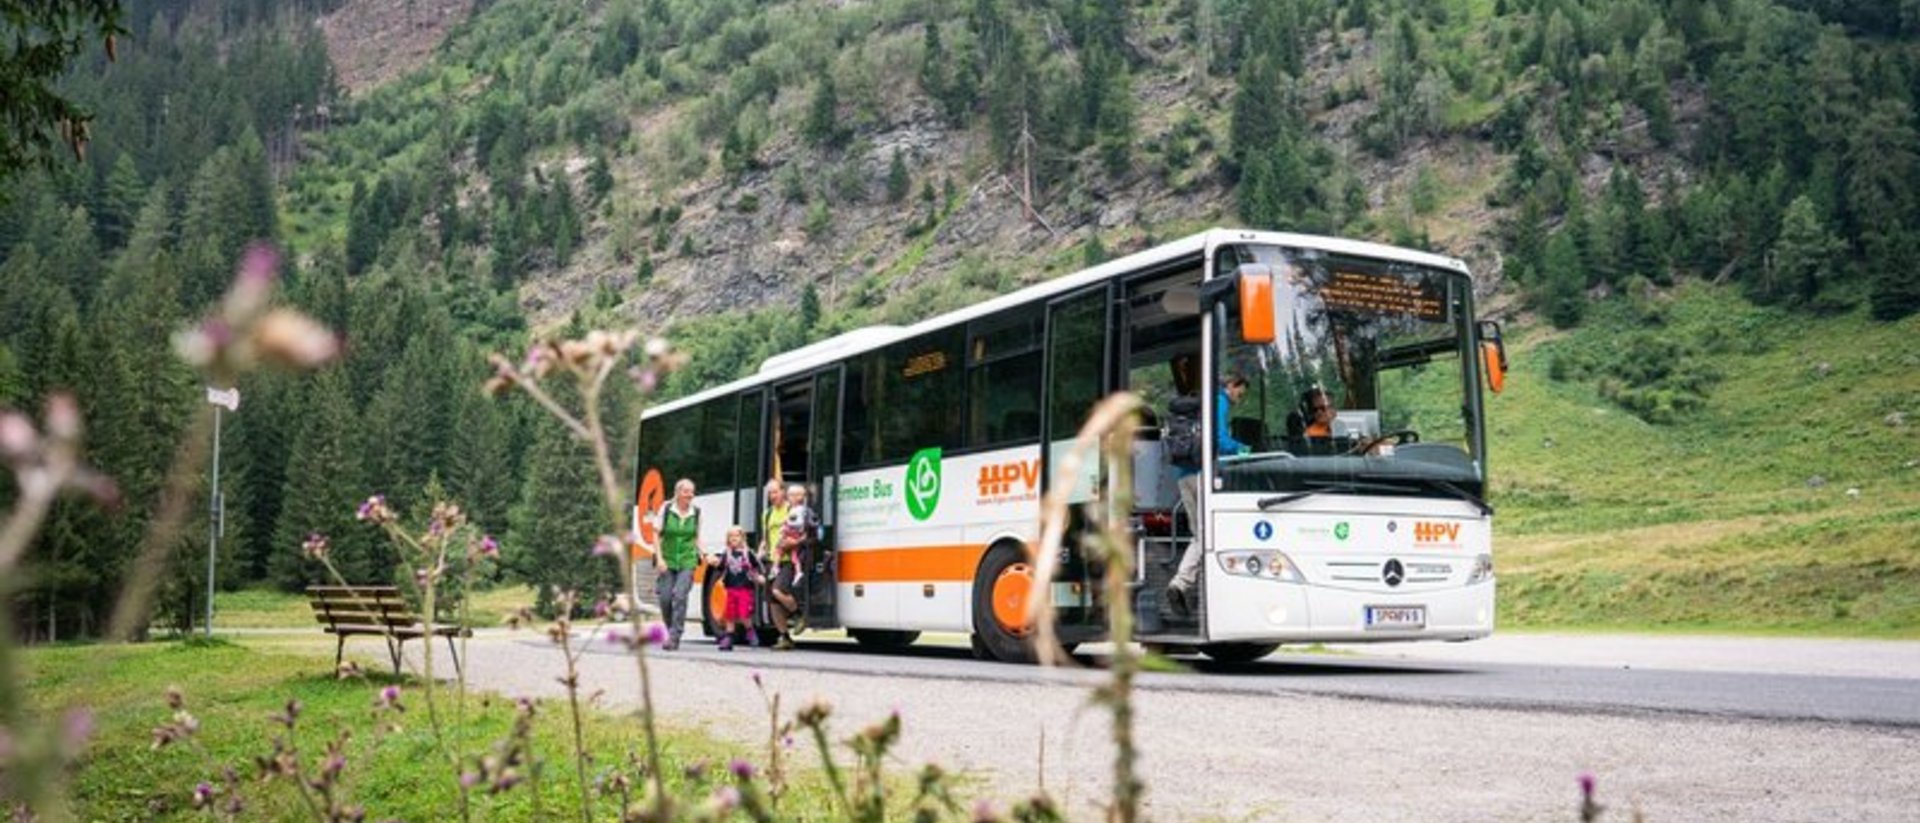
{"x": 1482, "y": 569}
{"x": 1266, "y": 565}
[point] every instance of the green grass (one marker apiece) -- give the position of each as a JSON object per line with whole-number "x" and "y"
{"x": 1709, "y": 523}
{"x": 274, "y": 609}
{"x": 398, "y": 773}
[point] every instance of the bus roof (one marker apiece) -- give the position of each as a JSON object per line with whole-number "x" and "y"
{"x": 814, "y": 355}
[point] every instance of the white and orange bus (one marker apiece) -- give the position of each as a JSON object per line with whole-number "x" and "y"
{"x": 928, "y": 448}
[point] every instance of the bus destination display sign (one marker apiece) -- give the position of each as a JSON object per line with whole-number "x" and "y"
{"x": 1383, "y": 294}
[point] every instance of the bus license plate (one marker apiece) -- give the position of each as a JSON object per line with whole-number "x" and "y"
{"x": 1396, "y": 617}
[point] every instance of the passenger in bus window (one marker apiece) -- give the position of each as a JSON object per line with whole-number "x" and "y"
{"x": 1314, "y": 418}
{"x": 780, "y": 588}
{"x": 1180, "y": 591}
{"x": 678, "y": 555}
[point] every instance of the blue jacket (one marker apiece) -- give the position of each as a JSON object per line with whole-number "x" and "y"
{"x": 1223, "y": 435}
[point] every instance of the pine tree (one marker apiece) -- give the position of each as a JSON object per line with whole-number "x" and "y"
{"x": 599, "y": 177}
{"x": 933, "y": 64}
{"x": 558, "y": 521}
{"x": 323, "y": 487}
{"x": 822, "y": 126}
{"x": 898, "y": 183}
{"x": 1563, "y": 298}
{"x": 75, "y": 257}
{"x": 1113, "y": 124}
{"x": 120, "y": 203}
{"x": 1883, "y": 161}
{"x": 363, "y": 234}
{"x": 410, "y": 420}
{"x": 562, "y": 221}
{"x": 1260, "y": 112}
{"x": 13, "y": 384}
{"x": 809, "y": 308}
{"x": 479, "y": 466}
{"x": 1803, "y": 256}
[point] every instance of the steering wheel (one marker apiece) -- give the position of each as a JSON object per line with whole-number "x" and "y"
{"x": 1399, "y": 438}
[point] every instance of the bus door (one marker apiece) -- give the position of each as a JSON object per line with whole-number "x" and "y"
{"x": 1078, "y": 374}
{"x": 804, "y": 445}
{"x": 823, "y": 461}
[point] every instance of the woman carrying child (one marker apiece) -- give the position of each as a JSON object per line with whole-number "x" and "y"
{"x": 790, "y": 557}
{"x": 739, "y": 574}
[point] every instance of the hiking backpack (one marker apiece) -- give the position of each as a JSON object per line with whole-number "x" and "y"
{"x": 1182, "y": 437}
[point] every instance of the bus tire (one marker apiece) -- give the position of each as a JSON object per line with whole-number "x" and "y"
{"x": 1238, "y": 652}
{"x": 709, "y": 610}
{"x": 883, "y": 638}
{"x": 1005, "y": 571}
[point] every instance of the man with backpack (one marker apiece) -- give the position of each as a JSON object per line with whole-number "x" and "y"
{"x": 1183, "y": 446}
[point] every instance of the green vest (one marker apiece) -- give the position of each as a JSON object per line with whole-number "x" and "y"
{"x": 678, "y": 538}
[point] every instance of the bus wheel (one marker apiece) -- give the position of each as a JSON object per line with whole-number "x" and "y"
{"x": 1000, "y": 596}
{"x": 883, "y": 638}
{"x": 713, "y": 601}
{"x": 1238, "y": 652}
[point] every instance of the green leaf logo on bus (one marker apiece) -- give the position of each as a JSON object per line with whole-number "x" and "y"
{"x": 923, "y": 483}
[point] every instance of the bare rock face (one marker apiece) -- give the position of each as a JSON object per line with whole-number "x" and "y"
{"x": 373, "y": 41}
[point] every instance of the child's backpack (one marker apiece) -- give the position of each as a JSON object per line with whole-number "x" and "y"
{"x": 1182, "y": 437}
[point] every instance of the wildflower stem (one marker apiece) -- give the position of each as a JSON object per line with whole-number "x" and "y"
{"x": 1116, "y": 535}
{"x": 832, "y": 769}
{"x": 579, "y": 735}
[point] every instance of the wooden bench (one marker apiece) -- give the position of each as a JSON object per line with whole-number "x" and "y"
{"x": 379, "y": 611}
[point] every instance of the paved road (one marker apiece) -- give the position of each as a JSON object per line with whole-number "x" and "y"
{"x": 1382, "y": 675}
{"x": 1338, "y": 736}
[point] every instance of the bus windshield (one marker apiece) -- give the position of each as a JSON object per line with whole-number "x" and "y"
{"x": 1367, "y": 388}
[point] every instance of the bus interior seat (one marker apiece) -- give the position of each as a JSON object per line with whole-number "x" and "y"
{"x": 1249, "y": 430}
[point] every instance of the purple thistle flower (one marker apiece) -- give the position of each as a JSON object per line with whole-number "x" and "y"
{"x": 489, "y": 547}
{"x": 390, "y": 698}
{"x": 656, "y": 634}
{"x": 600, "y": 609}
{"x": 374, "y": 510}
{"x": 741, "y": 769}
{"x": 1586, "y": 785}
{"x": 202, "y": 795}
{"x": 316, "y": 546}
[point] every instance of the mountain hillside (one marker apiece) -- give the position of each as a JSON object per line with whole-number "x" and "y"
{"x": 1697, "y": 218}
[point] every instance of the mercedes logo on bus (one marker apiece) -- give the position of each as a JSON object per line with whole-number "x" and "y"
{"x": 1393, "y": 573}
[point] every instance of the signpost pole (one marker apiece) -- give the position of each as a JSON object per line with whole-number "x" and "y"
{"x": 216, "y": 505}
{"x": 214, "y": 515}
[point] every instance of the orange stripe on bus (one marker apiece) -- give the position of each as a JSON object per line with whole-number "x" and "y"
{"x": 914, "y": 565}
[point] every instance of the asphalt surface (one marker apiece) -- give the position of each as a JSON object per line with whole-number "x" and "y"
{"x": 1884, "y": 700}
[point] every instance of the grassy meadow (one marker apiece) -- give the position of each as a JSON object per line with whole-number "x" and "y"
{"x": 394, "y": 767}
{"x": 1786, "y": 502}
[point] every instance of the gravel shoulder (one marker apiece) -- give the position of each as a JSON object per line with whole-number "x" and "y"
{"x": 1822, "y": 657}
{"x": 1293, "y": 757}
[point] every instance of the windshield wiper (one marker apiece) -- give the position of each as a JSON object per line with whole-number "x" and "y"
{"x": 1463, "y": 494}
{"x": 1268, "y": 503}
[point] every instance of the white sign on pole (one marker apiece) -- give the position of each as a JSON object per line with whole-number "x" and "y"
{"x": 228, "y": 399}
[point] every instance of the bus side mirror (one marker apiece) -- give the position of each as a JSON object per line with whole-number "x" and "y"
{"x": 1256, "y": 304}
{"x": 1493, "y": 354}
